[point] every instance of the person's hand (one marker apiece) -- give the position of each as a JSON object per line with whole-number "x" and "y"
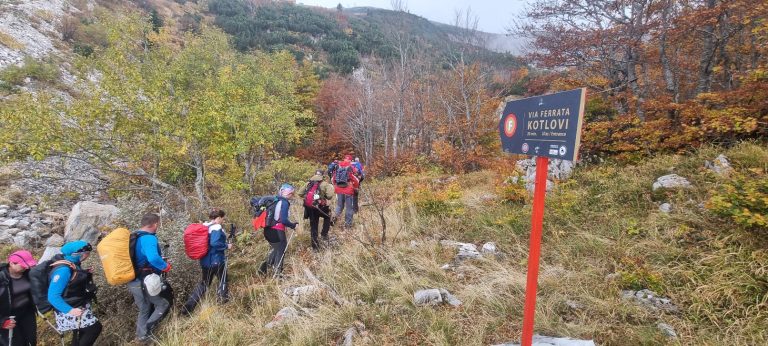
{"x": 76, "y": 312}
{"x": 229, "y": 246}
{"x": 167, "y": 269}
{"x": 9, "y": 324}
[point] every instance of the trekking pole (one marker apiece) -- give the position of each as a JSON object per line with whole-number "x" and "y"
{"x": 280, "y": 263}
{"x": 61, "y": 335}
{"x": 232, "y": 232}
{"x": 76, "y": 336}
{"x": 10, "y": 332}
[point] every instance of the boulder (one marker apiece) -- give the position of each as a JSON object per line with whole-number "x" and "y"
{"x": 87, "y": 220}
{"x": 539, "y": 340}
{"x": 489, "y": 248}
{"x": 6, "y": 238}
{"x": 49, "y": 253}
{"x": 667, "y": 330}
{"x": 3, "y": 212}
{"x": 665, "y": 208}
{"x": 466, "y": 250}
{"x": 435, "y": 296}
{"x": 23, "y": 224}
{"x": 671, "y": 181}
{"x": 26, "y": 239}
{"x": 720, "y": 165}
{"x": 13, "y": 231}
{"x": 303, "y": 293}
{"x": 55, "y": 241}
{"x": 427, "y": 297}
{"x": 283, "y": 316}
{"x": 10, "y": 223}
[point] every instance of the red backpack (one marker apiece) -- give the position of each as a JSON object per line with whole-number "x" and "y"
{"x": 309, "y": 199}
{"x": 196, "y": 241}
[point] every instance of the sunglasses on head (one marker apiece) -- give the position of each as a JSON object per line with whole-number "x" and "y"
{"x": 86, "y": 248}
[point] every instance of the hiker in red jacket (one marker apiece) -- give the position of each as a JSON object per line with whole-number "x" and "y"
{"x": 345, "y": 182}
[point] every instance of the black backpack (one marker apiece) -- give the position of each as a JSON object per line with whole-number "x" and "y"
{"x": 266, "y": 204}
{"x": 39, "y": 279}
{"x": 341, "y": 177}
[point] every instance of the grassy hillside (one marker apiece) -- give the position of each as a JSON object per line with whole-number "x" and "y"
{"x": 603, "y": 233}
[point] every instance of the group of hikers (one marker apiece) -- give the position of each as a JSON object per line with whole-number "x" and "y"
{"x": 29, "y": 289}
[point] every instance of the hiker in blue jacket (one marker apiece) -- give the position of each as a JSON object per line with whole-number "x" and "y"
{"x": 214, "y": 263}
{"x": 149, "y": 261}
{"x": 70, "y": 292}
{"x": 275, "y": 235}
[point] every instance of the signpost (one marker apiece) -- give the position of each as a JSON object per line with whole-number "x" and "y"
{"x": 547, "y": 126}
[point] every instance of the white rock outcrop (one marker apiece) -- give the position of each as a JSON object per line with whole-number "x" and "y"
{"x": 87, "y": 220}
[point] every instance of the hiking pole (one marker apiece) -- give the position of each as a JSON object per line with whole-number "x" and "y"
{"x": 61, "y": 335}
{"x": 280, "y": 263}
{"x": 223, "y": 279}
{"x": 10, "y": 332}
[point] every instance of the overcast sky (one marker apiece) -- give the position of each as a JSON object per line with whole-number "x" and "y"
{"x": 494, "y": 15}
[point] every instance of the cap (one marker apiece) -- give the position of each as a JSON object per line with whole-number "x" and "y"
{"x": 23, "y": 258}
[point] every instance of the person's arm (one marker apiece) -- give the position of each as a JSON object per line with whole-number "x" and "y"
{"x": 150, "y": 248}
{"x": 217, "y": 240}
{"x": 302, "y": 191}
{"x": 284, "y": 215}
{"x": 59, "y": 280}
{"x": 328, "y": 191}
{"x": 355, "y": 181}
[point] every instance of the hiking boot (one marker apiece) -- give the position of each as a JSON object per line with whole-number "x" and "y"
{"x": 263, "y": 268}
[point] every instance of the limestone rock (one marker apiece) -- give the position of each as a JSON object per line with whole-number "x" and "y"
{"x": 650, "y": 300}
{"x": 49, "y": 253}
{"x": 357, "y": 330}
{"x": 449, "y": 298}
{"x": 55, "y": 241}
{"x": 25, "y": 239}
{"x": 283, "y": 316}
{"x": 10, "y": 223}
{"x": 53, "y": 215}
{"x": 720, "y": 165}
{"x": 665, "y": 208}
{"x": 427, "y": 297}
{"x": 303, "y": 293}
{"x": 671, "y": 181}
{"x": 13, "y": 231}
{"x": 667, "y": 330}
{"x": 87, "y": 219}
{"x": 3, "y": 212}
{"x": 489, "y": 248}
{"x": 466, "y": 250}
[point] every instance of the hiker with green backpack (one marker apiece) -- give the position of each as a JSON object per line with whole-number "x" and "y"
{"x": 17, "y": 309}
{"x": 149, "y": 289}
{"x": 70, "y": 292}
{"x": 317, "y": 195}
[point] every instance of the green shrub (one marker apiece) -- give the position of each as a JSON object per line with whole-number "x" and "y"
{"x": 442, "y": 200}
{"x": 41, "y": 71}
{"x": 745, "y": 201}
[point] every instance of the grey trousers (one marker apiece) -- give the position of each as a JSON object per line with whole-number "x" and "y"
{"x": 151, "y": 309}
{"x": 346, "y": 203}
{"x": 275, "y": 257}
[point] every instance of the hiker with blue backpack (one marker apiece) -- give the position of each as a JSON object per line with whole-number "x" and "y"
{"x": 214, "y": 263}
{"x": 274, "y": 230}
{"x": 17, "y": 310}
{"x": 345, "y": 182}
{"x": 151, "y": 294}
{"x": 70, "y": 292}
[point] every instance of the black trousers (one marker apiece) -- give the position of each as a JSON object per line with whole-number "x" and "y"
{"x": 25, "y": 332}
{"x": 207, "y": 277}
{"x": 314, "y": 217}
{"x": 85, "y": 336}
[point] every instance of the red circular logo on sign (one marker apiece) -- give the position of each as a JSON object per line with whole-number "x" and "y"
{"x": 510, "y": 125}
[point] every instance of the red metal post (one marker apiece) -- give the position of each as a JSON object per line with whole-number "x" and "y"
{"x": 537, "y": 219}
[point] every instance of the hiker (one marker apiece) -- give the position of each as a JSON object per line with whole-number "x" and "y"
{"x": 275, "y": 235}
{"x": 332, "y": 168}
{"x": 345, "y": 183}
{"x": 317, "y": 194}
{"x": 71, "y": 291}
{"x": 214, "y": 262}
{"x": 149, "y": 261}
{"x": 360, "y": 173}
{"x": 17, "y": 310}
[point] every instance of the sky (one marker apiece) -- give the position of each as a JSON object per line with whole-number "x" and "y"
{"x": 493, "y": 15}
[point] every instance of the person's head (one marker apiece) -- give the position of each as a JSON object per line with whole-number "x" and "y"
{"x": 149, "y": 222}
{"x": 216, "y": 215}
{"x": 319, "y": 175}
{"x": 286, "y": 190}
{"x": 76, "y": 251}
{"x": 20, "y": 261}
{"x": 348, "y": 158}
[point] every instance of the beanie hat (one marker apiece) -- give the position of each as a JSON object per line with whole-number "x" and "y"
{"x": 286, "y": 189}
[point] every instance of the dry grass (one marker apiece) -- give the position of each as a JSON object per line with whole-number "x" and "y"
{"x": 10, "y": 42}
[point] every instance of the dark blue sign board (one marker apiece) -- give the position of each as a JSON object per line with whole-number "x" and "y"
{"x": 547, "y": 125}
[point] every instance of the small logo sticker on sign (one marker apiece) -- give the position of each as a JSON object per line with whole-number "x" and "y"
{"x": 525, "y": 147}
{"x": 510, "y": 125}
{"x": 563, "y": 150}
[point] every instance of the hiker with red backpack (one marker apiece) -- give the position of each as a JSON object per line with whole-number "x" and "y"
{"x": 148, "y": 287}
{"x": 275, "y": 229}
{"x": 317, "y": 195}
{"x": 345, "y": 183}
{"x": 214, "y": 263}
{"x": 17, "y": 310}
